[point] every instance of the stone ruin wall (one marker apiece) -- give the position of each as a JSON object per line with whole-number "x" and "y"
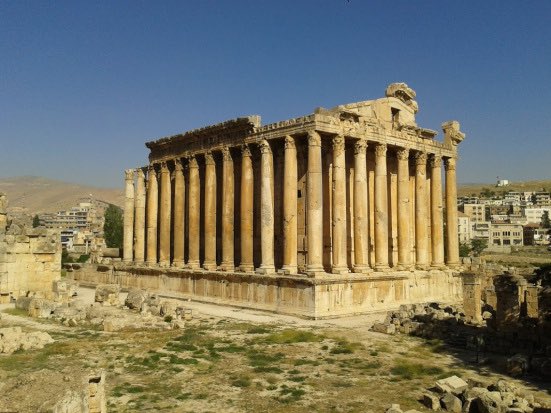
{"x": 30, "y": 258}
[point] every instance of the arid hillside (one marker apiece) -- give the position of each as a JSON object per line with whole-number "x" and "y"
{"x": 33, "y": 194}
{"x": 468, "y": 189}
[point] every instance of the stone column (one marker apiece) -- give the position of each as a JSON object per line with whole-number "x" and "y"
{"x": 381, "y": 208}
{"x": 227, "y": 211}
{"x": 210, "y": 213}
{"x": 139, "y": 218}
{"x": 404, "y": 243}
{"x": 452, "y": 250}
{"x": 164, "y": 217}
{"x": 421, "y": 221}
{"x": 361, "y": 213}
{"x": 290, "y": 180}
{"x": 339, "y": 264}
{"x": 472, "y": 295}
{"x": 437, "y": 223}
{"x": 179, "y": 221}
{"x": 246, "y": 215}
{"x": 266, "y": 209}
{"x": 128, "y": 235}
{"x": 194, "y": 218}
{"x": 152, "y": 211}
{"x": 314, "y": 200}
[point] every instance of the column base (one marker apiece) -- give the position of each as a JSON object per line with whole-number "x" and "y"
{"x": 422, "y": 267}
{"x": 288, "y": 269}
{"x": 382, "y": 267}
{"x": 405, "y": 267}
{"x": 362, "y": 269}
{"x": 315, "y": 271}
{"x": 178, "y": 264}
{"x": 246, "y": 268}
{"x": 438, "y": 265}
{"x": 266, "y": 269}
{"x": 210, "y": 266}
{"x": 339, "y": 270}
{"x": 227, "y": 266}
{"x": 164, "y": 264}
{"x": 150, "y": 263}
{"x": 453, "y": 264}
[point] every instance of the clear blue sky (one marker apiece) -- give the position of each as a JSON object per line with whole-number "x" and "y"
{"x": 83, "y": 84}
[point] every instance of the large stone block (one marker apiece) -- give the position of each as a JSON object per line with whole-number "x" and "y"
{"x": 108, "y": 294}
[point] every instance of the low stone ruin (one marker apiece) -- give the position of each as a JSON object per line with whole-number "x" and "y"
{"x": 13, "y": 339}
{"x": 456, "y": 395}
{"x": 91, "y": 398}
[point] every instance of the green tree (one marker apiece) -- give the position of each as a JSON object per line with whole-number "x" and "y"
{"x": 464, "y": 249}
{"x": 36, "y": 221}
{"x": 545, "y": 221}
{"x": 478, "y": 245}
{"x": 487, "y": 193}
{"x": 112, "y": 227}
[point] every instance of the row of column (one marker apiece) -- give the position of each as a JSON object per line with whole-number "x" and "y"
{"x": 158, "y": 220}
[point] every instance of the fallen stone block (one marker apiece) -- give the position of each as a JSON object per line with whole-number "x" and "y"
{"x": 41, "y": 308}
{"x": 384, "y": 328}
{"x": 108, "y": 294}
{"x": 452, "y": 384}
{"x": 431, "y": 401}
{"x": 451, "y": 403}
{"x": 136, "y": 298}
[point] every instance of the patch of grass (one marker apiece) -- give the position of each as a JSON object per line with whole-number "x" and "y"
{"x": 289, "y": 336}
{"x": 345, "y": 347}
{"x": 258, "y": 330}
{"x": 302, "y": 362}
{"x": 409, "y": 370}
{"x": 16, "y": 311}
{"x": 241, "y": 381}
{"x": 290, "y": 395}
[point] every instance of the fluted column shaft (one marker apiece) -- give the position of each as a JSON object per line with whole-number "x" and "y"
{"x": 361, "y": 212}
{"x": 437, "y": 224}
{"x": 164, "y": 217}
{"x": 128, "y": 234}
{"x": 452, "y": 258}
{"x": 381, "y": 208}
{"x": 152, "y": 211}
{"x": 194, "y": 218}
{"x": 404, "y": 240}
{"x": 421, "y": 221}
{"x": 246, "y": 216}
{"x": 139, "y": 218}
{"x": 314, "y": 200}
{"x": 339, "y": 264}
{"x": 290, "y": 180}
{"x": 210, "y": 213}
{"x": 227, "y": 211}
{"x": 266, "y": 209}
{"x": 179, "y": 221}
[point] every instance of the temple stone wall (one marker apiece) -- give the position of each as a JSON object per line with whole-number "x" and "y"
{"x": 30, "y": 258}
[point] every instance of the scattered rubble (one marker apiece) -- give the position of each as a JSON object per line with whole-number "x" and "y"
{"x": 13, "y": 339}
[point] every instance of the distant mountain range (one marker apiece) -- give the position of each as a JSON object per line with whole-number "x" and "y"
{"x": 35, "y": 195}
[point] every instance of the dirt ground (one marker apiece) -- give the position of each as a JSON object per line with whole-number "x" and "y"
{"x": 235, "y": 360}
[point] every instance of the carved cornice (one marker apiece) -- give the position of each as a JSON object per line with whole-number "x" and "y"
{"x": 452, "y": 135}
{"x": 380, "y": 150}
{"x": 360, "y": 147}
{"x": 402, "y": 154}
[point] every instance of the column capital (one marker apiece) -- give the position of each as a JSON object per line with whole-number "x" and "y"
{"x": 402, "y": 154}
{"x": 289, "y": 142}
{"x": 129, "y": 174}
{"x": 192, "y": 162}
{"x": 338, "y": 142}
{"x": 178, "y": 165}
{"x": 360, "y": 147}
{"x": 420, "y": 158}
{"x": 151, "y": 170}
{"x": 314, "y": 138}
{"x": 380, "y": 150}
{"x": 164, "y": 167}
{"x": 435, "y": 161}
{"x": 140, "y": 173}
{"x": 209, "y": 160}
{"x": 245, "y": 151}
{"x": 226, "y": 154}
{"x": 450, "y": 163}
{"x": 265, "y": 147}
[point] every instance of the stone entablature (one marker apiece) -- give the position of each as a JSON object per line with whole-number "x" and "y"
{"x": 353, "y": 189}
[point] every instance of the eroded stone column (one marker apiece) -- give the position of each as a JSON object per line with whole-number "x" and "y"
{"x": 361, "y": 213}
{"x": 266, "y": 209}
{"x": 437, "y": 222}
{"x": 139, "y": 218}
{"x": 128, "y": 234}
{"x": 339, "y": 264}
{"x": 246, "y": 216}
{"x": 210, "y": 213}
{"x": 421, "y": 222}
{"x": 404, "y": 244}
{"x": 227, "y": 211}
{"x": 194, "y": 218}
{"x": 164, "y": 217}
{"x": 452, "y": 250}
{"x": 152, "y": 211}
{"x": 381, "y": 208}
{"x": 179, "y": 221}
{"x": 314, "y": 205}
{"x": 290, "y": 180}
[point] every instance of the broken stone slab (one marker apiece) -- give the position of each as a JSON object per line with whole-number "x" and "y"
{"x": 394, "y": 408}
{"x": 384, "y": 328}
{"x": 431, "y": 401}
{"x": 41, "y": 308}
{"x": 490, "y": 403}
{"x": 451, "y": 403}
{"x": 13, "y": 339}
{"x": 453, "y": 384}
{"x": 136, "y": 298}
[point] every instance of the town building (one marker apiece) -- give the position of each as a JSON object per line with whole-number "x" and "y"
{"x": 503, "y": 236}
{"x": 534, "y": 234}
{"x": 534, "y": 215}
{"x": 463, "y": 228}
{"x": 336, "y": 212}
{"x": 476, "y": 212}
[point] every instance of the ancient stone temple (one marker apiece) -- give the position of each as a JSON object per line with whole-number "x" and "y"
{"x": 341, "y": 211}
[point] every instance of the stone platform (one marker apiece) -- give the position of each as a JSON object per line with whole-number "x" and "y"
{"x": 321, "y": 297}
